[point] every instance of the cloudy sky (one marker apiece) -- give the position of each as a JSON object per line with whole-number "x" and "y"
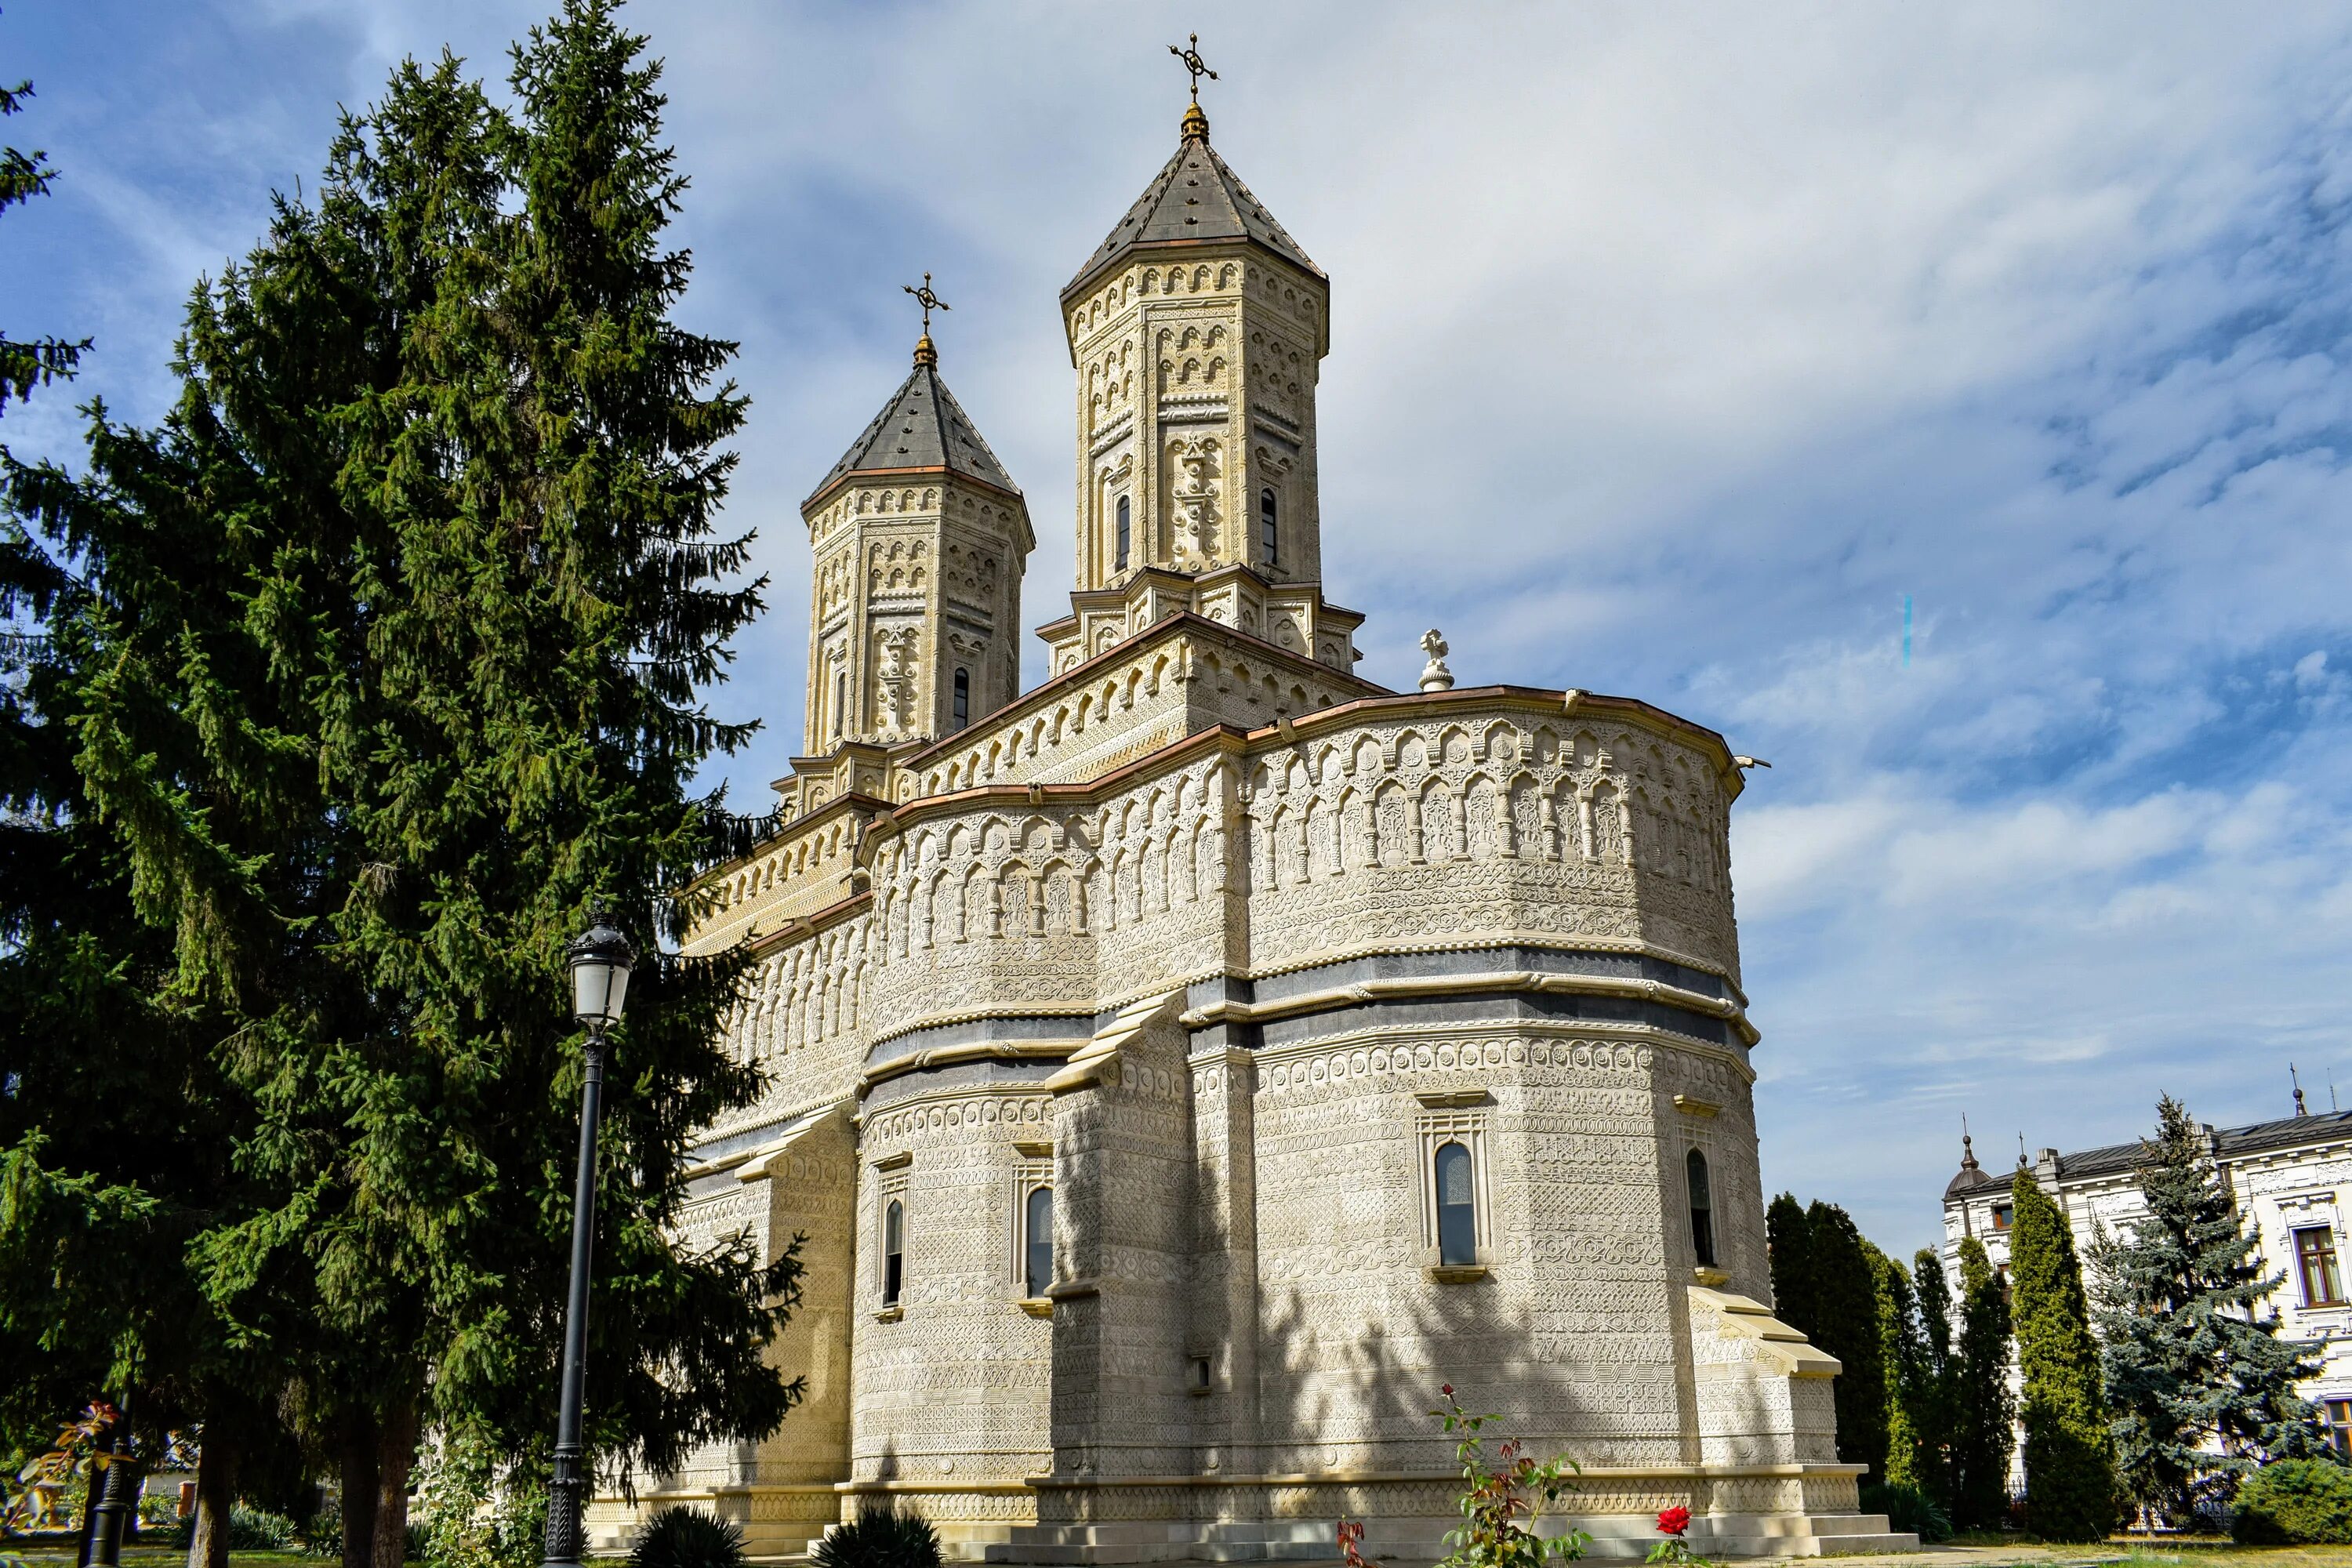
{"x": 1674, "y": 350}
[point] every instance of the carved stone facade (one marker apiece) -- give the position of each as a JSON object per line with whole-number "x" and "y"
{"x": 1185, "y": 1069}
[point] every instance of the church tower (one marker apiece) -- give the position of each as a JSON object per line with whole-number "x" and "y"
{"x": 920, "y": 538}
{"x": 1196, "y": 330}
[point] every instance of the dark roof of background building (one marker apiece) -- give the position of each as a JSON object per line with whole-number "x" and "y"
{"x": 1197, "y": 198}
{"x": 2230, "y": 1143}
{"x": 922, "y": 427}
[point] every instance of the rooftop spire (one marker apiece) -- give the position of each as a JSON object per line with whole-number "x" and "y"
{"x": 2292, "y": 1079}
{"x": 1194, "y": 127}
{"x": 926, "y": 351}
{"x": 1967, "y": 1146}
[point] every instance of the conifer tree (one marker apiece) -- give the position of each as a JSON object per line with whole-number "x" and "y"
{"x": 2200, "y": 1387}
{"x": 411, "y": 606}
{"x": 1984, "y": 1412}
{"x": 1789, "y": 1238}
{"x": 1933, "y": 1408}
{"x": 1846, "y": 1296}
{"x": 2070, "y": 1472}
{"x": 1903, "y": 1354}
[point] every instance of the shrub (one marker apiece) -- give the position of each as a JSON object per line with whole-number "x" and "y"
{"x": 878, "y": 1538}
{"x": 249, "y": 1530}
{"x": 2295, "y": 1502}
{"x": 1907, "y": 1509}
{"x": 683, "y": 1537}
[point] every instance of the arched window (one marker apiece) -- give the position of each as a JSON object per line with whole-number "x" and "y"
{"x": 1270, "y": 531}
{"x": 1702, "y": 1202}
{"x": 1457, "y": 1208}
{"x": 840, "y": 699}
{"x": 962, "y": 697}
{"x": 1125, "y": 518}
{"x": 1037, "y": 1238}
{"x": 894, "y": 1251}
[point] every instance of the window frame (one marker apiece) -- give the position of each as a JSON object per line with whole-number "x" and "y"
{"x": 840, "y": 701}
{"x": 2316, "y": 1245}
{"x": 1437, "y": 1176}
{"x": 1269, "y": 525}
{"x": 959, "y": 705}
{"x": 1124, "y": 511}
{"x": 1031, "y": 1287}
{"x": 890, "y": 1191}
{"x": 1431, "y": 1131}
{"x": 2336, "y": 1422}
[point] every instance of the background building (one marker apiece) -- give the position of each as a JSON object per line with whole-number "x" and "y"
{"x": 2291, "y": 1178}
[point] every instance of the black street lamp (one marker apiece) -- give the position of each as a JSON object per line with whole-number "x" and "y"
{"x": 600, "y": 960}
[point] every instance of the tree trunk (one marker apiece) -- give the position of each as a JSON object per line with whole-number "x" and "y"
{"x": 359, "y": 1478}
{"x": 395, "y": 1454}
{"x": 215, "y": 1495}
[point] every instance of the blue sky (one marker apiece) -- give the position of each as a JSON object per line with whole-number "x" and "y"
{"x": 1673, "y": 347}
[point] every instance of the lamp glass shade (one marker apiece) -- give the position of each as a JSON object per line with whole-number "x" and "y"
{"x": 601, "y": 959}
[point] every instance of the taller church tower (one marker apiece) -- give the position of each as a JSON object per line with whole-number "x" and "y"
{"x": 1196, "y": 330}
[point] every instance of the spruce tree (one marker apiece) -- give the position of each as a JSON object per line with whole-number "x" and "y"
{"x": 2070, "y": 1469}
{"x": 1846, "y": 1296}
{"x": 2200, "y": 1387}
{"x": 413, "y": 601}
{"x": 1984, "y": 1411}
{"x": 1934, "y": 1406}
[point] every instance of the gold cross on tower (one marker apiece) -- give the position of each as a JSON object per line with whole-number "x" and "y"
{"x": 1194, "y": 64}
{"x": 927, "y": 300}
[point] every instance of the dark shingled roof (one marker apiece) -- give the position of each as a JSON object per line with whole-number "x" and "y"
{"x": 1197, "y": 198}
{"x": 2234, "y": 1143}
{"x": 921, "y": 427}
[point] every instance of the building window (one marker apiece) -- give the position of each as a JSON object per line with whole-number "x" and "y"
{"x": 2003, "y": 1214}
{"x": 1037, "y": 1240}
{"x": 1125, "y": 518}
{"x": 962, "y": 697}
{"x": 1457, "y": 1208}
{"x": 894, "y": 1251}
{"x": 2338, "y": 1413}
{"x": 840, "y": 699}
{"x": 1702, "y": 1210}
{"x": 2314, "y": 1260}
{"x": 1270, "y": 531}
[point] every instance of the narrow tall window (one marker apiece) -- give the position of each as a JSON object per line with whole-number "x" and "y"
{"x": 2314, "y": 1260}
{"x": 2339, "y": 1424}
{"x": 1702, "y": 1205}
{"x": 1125, "y": 519}
{"x": 1038, "y": 1238}
{"x": 1457, "y": 1208}
{"x": 894, "y": 1252}
{"x": 962, "y": 697}
{"x": 1269, "y": 529}
{"x": 840, "y": 699}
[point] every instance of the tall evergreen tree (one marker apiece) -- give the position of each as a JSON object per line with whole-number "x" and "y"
{"x": 410, "y": 604}
{"x": 1984, "y": 1411}
{"x": 2200, "y": 1387}
{"x": 1846, "y": 1294}
{"x": 1789, "y": 1237}
{"x": 2070, "y": 1469}
{"x": 1933, "y": 1408}
{"x": 1903, "y": 1353}
{"x": 1823, "y": 1285}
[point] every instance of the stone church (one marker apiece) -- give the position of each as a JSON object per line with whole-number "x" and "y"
{"x": 1182, "y": 1068}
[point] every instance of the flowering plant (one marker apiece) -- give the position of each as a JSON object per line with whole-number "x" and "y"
{"x": 1671, "y": 1524}
{"x": 1497, "y": 1505}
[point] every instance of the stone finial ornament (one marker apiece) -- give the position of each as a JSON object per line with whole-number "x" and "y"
{"x": 1435, "y": 675}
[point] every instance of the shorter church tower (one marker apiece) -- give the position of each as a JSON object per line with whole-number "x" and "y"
{"x": 920, "y": 539}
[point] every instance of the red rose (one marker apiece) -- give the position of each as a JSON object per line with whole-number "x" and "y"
{"x": 1446, "y": 1389}
{"x": 1674, "y": 1520}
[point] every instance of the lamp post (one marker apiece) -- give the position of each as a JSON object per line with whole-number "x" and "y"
{"x": 600, "y": 959}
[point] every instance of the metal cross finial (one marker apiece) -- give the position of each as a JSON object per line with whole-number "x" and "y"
{"x": 927, "y": 300}
{"x": 1194, "y": 63}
